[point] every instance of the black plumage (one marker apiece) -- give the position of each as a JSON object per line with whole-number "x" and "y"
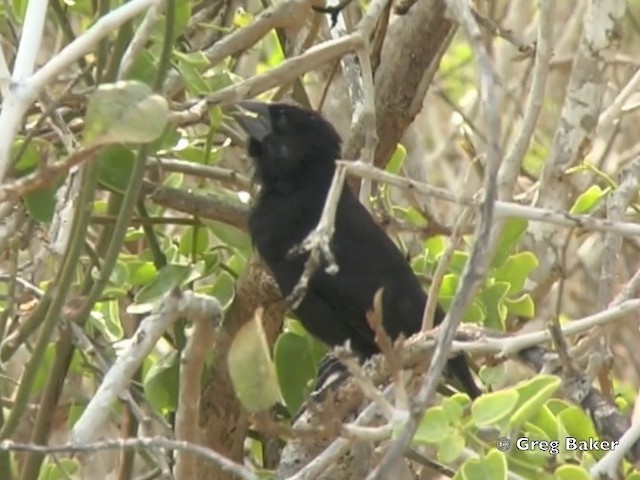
{"x": 294, "y": 152}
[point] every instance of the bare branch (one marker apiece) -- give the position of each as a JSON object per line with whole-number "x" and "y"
{"x": 140, "y": 38}
{"x": 192, "y": 363}
{"x": 173, "y": 306}
{"x": 317, "y": 243}
{"x": 502, "y": 209}
{"x": 607, "y": 466}
{"x": 578, "y": 121}
{"x": 481, "y": 253}
{"x": 138, "y": 444}
{"x": 27, "y": 86}
{"x": 441, "y": 270}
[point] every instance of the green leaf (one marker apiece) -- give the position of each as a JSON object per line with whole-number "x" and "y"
{"x": 75, "y": 411}
{"x": 168, "y": 140}
{"x": 242, "y": 18}
{"x": 536, "y": 156}
{"x": 224, "y": 289}
{"x": 292, "y": 325}
{"x": 419, "y": 264}
{"x": 493, "y": 376}
{"x": 545, "y": 420}
{"x": 410, "y": 215}
{"x": 516, "y": 269}
{"x": 533, "y": 395}
{"x": 271, "y": 44}
{"x": 492, "y": 298}
{"x": 490, "y": 408}
{"x": 434, "y": 426}
{"x": 199, "y": 59}
{"x": 173, "y": 180}
{"x": 514, "y": 228}
{"x": 134, "y": 234}
{"x": 194, "y": 80}
{"x": 533, "y": 432}
{"x": 295, "y": 367}
{"x": 557, "y": 405}
{"x": 577, "y": 424}
{"x": 397, "y": 160}
{"x": 454, "y": 406}
{"x": 318, "y": 350}
{"x": 32, "y": 154}
{"x": 44, "y": 368}
{"x": 41, "y": 203}
{"x": 124, "y": 112}
{"x": 192, "y": 153}
{"x": 435, "y": 247}
{"x": 475, "y": 313}
{"x": 252, "y": 373}
{"x": 459, "y": 260}
{"x": 143, "y": 68}
{"x": 218, "y": 81}
{"x": 571, "y": 472}
{"x": 194, "y": 241}
{"x": 60, "y": 469}
{"x": 119, "y": 275}
{"x": 231, "y": 236}
{"x": 492, "y": 466}
{"x": 107, "y": 320}
{"x": 19, "y": 8}
{"x": 115, "y": 166}
{"x": 111, "y": 291}
{"x": 162, "y": 382}
{"x": 450, "y": 448}
{"x": 182, "y": 17}
{"x": 588, "y": 200}
{"x": 141, "y": 273}
{"x": 168, "y": 277}
{"x": 522, "y": 306}
{"x": 495, "y": 463}
{"x": 449, "y": 285}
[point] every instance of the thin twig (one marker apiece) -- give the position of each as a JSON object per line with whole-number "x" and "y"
{"x": 174, "y": 305}
{"x": 480, "y": 255}
{"x": 441, "y": 270}
{"x": 135, "y": 443}
{"x": 140, "y": 39}
{"x": 502, "y": 209}
{"x": 317, "y": 243}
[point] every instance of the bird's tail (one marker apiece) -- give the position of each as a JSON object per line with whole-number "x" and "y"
{"x": 459, "y": 369}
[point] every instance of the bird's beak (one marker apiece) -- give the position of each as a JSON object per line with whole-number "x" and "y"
{"x": 254, "y": 118}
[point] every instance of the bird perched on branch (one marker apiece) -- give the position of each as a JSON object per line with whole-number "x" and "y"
{"x": 294, "y": 152}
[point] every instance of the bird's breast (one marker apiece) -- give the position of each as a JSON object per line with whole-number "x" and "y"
{"x": 276, "y": 226}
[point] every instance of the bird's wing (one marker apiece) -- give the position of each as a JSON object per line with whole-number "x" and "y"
{"x": 368, "y": 260}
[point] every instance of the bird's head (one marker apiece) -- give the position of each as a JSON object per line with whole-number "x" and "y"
{"x": 288, "y": 144}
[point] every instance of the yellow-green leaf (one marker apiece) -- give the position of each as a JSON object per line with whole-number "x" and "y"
{"x": 252, "y": 373}
{"x": 124, "y": 112}
{"x": 588, "y": 200}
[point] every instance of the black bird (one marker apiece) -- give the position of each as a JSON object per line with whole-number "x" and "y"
{"x": 294, "y": 152}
